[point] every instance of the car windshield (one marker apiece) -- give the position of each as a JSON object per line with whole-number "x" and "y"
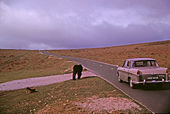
{"x": 145, "y": 63}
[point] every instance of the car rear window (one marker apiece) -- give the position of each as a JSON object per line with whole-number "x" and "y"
{"x": 145, "y": 63}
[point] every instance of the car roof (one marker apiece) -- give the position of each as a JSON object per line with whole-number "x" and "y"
{"x": 139, "y": 59}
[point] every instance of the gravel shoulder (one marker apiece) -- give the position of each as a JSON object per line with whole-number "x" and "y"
{"x": 39, "y": 81}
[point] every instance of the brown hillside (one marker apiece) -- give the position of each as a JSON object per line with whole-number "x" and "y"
{"x": 117, "y": 54}
{"x": 20, "y": 64}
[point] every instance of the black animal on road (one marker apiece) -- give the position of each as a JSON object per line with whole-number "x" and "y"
{"x": 77, "y": 69}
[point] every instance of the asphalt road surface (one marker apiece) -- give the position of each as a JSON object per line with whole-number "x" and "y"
{"x": 154, "y": 97}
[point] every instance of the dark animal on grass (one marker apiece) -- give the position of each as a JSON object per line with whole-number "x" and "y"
{"x": 77, "y": 69}
{"x": 30, "y": 90}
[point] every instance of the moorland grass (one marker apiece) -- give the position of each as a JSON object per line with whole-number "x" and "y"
{"x": 59, "y": 97}
{"x": 116, "y": 55}
{"x": 21, "y": 64}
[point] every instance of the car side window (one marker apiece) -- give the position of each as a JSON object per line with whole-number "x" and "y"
{"x": 124, "y": 64}
{"x": 149, "y": 63}
{"x": 128, "y": 64}
{"x": 153, "y": 63}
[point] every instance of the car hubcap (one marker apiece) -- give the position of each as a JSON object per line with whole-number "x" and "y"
{"x": 119, "y": 78}
{"x": 131, "y": 83}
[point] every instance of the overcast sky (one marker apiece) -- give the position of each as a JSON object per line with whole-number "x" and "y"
{"x": 65, "y": 24}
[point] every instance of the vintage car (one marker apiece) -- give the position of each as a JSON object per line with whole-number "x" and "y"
{"x": 142, "y": 71}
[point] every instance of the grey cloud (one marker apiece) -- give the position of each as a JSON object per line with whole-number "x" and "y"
{"x": 36, "y": 24}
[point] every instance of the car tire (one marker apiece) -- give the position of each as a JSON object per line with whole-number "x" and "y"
{"x": 118, "y": 76}
{"x": 131, "y": 84}
{"x": 161, "y": 85}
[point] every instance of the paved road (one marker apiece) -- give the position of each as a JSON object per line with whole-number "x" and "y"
{"x": 38, "y": 81}
{"x": 155, "y": 98}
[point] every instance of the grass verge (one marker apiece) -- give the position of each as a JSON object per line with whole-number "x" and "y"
{"x": 21, "y": 64}
{"x": 63, "y": 97}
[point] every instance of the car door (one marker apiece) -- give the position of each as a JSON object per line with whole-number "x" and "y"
{"x": 124, "y": 71}
{"x": 127, "y": 71}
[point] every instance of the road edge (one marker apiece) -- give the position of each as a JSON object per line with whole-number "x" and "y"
{"x": 103, "y": 78}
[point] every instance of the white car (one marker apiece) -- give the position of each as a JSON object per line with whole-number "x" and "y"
{"x": 142, "y": 71}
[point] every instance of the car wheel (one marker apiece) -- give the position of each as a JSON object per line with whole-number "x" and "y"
{"x": 131, "y": 84}
{"x": 119, "y": 78}
{"x": 161, "y": 85}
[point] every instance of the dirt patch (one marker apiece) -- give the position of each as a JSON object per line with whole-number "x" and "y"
{"x": 110, "y": 104}
{"x": 94, "y": 105}
{"x": 89, "y": 96}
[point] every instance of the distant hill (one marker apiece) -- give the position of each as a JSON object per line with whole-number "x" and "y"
{"x": 117, "y": 54}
